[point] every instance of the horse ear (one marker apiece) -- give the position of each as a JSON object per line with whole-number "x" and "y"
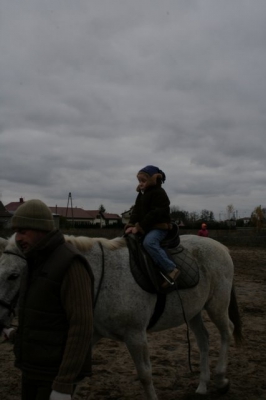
{"x": 3, "y": 243}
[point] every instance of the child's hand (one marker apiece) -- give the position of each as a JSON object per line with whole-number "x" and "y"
{"x": 129, "y": 230}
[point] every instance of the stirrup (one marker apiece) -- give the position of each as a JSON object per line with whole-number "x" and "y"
{"x": 167, "y": 279}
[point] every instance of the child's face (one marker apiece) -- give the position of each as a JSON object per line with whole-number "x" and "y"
{"x": 143, "y": 182}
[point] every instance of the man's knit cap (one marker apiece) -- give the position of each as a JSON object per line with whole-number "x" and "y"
{"x": 33, "y": 214}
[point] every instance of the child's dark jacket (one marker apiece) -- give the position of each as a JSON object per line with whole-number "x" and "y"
{"x": 151, "y": 210}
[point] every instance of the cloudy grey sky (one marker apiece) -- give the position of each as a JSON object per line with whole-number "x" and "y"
{"x": 91, "y": 91}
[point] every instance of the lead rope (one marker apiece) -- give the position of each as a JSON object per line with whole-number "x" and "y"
{"x": 101, "y": 279}
{"x": 188, "y": 337}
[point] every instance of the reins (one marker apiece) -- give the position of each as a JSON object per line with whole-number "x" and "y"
{"x": 14, "y": 254}
{"x": 101, "y": 279}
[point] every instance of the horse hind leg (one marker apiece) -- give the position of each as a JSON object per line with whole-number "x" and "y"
{"x": 218, "y": 313}
{"x": 202, "y": 337}
{"x": 138, "y": 348}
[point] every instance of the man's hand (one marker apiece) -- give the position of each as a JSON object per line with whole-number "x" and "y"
{"x": 59, "y": 396}
{"x": 6, "y": 332}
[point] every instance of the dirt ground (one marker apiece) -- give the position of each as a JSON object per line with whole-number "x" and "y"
{"x": 114, "y": 376}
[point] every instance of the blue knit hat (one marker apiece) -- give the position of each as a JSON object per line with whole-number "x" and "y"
{"x": 152, "y": 170}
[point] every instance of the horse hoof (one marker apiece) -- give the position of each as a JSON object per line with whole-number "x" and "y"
{"x": 202, "y": 389}
{"x": 201, "y": 393}
{"x": 224, "y": 389}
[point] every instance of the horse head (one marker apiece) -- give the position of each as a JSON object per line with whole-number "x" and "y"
{"x": 12, "y": 266}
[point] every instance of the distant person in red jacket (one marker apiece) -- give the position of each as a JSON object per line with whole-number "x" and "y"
{"x": 203, "y": 231}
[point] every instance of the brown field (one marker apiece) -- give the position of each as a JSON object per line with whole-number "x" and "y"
{"x": 114, "y": 376}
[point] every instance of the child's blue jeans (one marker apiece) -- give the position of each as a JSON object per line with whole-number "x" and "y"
{"x": 152, "y": 244}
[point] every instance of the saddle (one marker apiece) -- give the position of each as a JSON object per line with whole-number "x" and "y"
{"x": 147, "y": 273}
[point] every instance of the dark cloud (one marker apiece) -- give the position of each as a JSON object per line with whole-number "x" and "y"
{"x": 92, "y": 92}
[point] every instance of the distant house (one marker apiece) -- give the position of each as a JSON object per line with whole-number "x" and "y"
{"x": 78, "y": 216}
{"x": 126, "y": 215}
{"x": 12, "y": 207}
{"x": 111, "y": 219}
{"x": 75, "y": 215}
{"x": 97, "y": 218}
{"x": 5, "y": 216}
{"x": 246, "y": 220}
{"x": 231, "y": 223}
{"x": 103, "y": 218}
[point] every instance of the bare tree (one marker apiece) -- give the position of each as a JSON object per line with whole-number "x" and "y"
{"x": 207, "y": 215}
{"x": 101, "y": 209}
{"x": 257, "y": 218}
{"x": 193, "y": 216}
{"x": 230, "y": 209}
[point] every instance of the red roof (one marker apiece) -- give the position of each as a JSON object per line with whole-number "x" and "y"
{"x": 105, "y": 215}
{"x": 93, "y": 213}
{"x": 111, "y": 216}
{"x": 12, "y": 207}
{"x": 68, "y": 212}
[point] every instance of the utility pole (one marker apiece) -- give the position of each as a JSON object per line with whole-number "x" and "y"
{"x": 69, "y": 201}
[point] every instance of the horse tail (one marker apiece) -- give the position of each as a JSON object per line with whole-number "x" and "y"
{"x": 235, "y": 317}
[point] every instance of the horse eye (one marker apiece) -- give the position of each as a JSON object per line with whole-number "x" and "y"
{"x": 13, "y": 277}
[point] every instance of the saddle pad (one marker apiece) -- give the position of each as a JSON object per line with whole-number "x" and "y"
{"x": 147, "y": 274}
{"x": 188, "y": 266}
{"x": 148, "y": 277}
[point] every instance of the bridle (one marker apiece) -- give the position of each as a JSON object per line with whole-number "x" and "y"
{"x": 101, "y": 279}
{"x": 12, "y": 305}
{"x": 14, "y": 254}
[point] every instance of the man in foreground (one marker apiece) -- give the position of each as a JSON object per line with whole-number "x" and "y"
{"x": 52, "y": 343}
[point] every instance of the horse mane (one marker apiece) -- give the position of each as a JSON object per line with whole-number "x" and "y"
{"x": 84, "y": 243}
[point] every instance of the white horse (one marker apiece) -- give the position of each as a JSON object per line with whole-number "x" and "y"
{"x": 123, "y": 310}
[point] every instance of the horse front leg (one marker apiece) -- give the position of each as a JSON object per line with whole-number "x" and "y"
{"x": 137, "y": 346}
{"x": 202, "y": 338}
